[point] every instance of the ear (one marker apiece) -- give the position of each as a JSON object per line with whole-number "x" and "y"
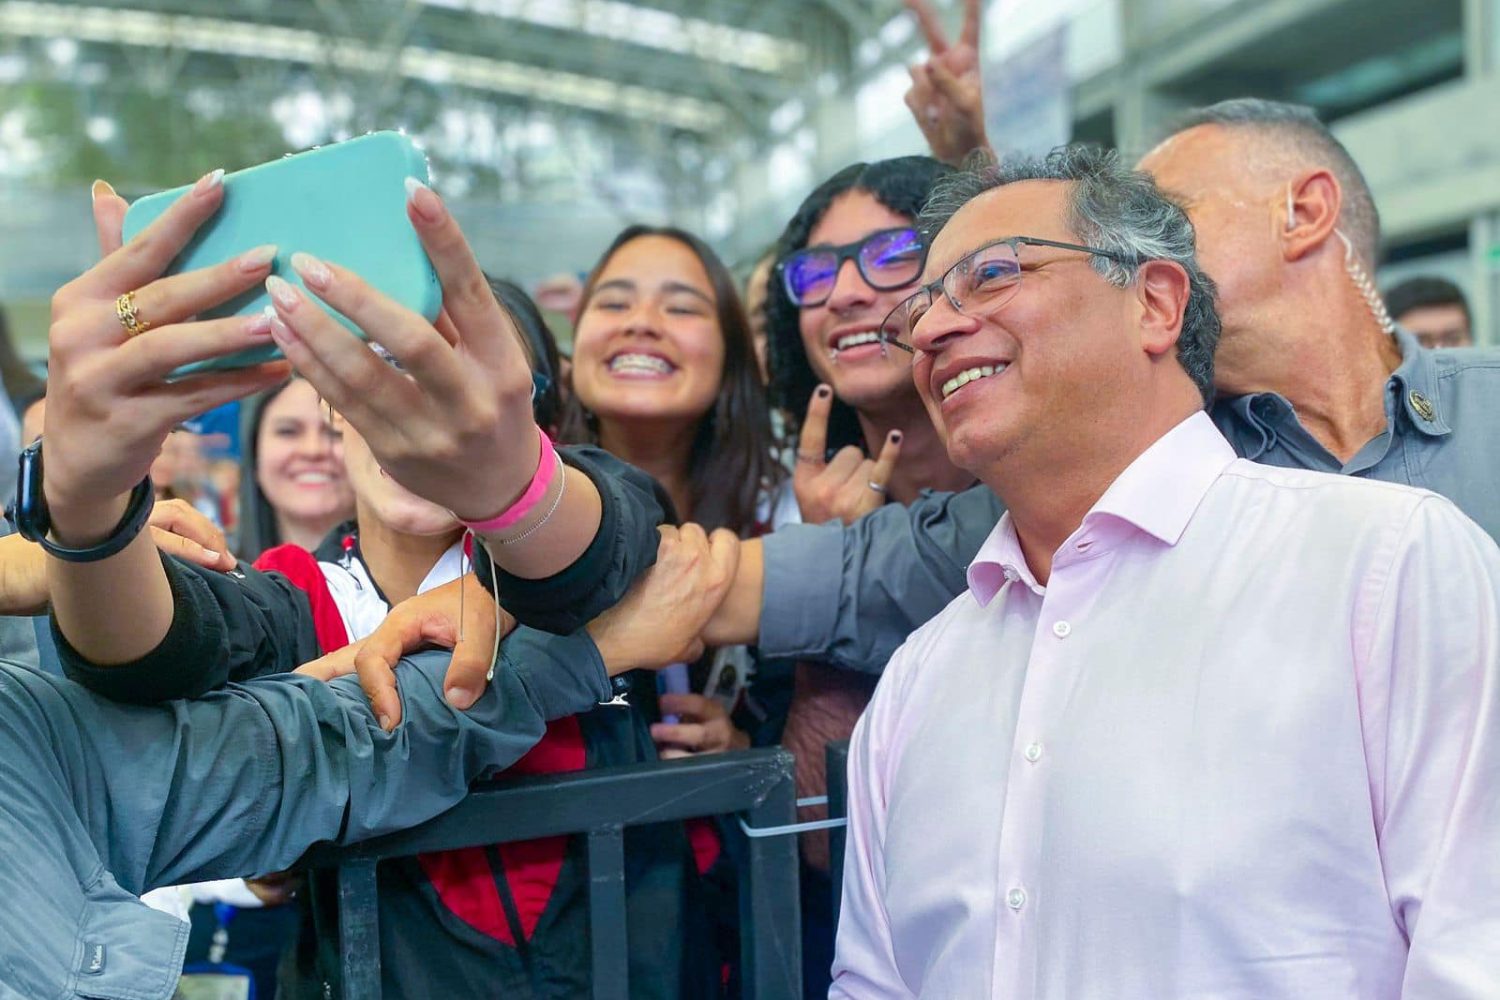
{"x": 1313, "y": 216}
{"x": 1162, "y": 290}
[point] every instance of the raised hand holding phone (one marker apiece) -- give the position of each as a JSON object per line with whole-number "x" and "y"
{"x": 118, "y": 331}
{"x": 454, "y": 424}
{"x": 109, "y": 404}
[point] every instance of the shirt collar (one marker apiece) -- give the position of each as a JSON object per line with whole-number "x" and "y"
{"x": 1416, "y": 381}
{"x": 1156, "y": 494}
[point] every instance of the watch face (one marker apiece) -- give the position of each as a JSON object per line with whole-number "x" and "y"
{"x": 30, "y": 508}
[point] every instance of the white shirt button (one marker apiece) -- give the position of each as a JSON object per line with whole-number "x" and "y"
{"x": 1033, "y": 752}
{"x": 1061, "y": 629}
{"x": 1015, "y": 899}
{"x": 1011, "y": 575}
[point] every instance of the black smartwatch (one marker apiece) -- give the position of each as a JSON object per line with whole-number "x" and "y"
{"x": 28, "y": 512}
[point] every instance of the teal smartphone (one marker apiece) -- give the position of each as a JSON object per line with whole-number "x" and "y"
{"x": 344, "y": 203}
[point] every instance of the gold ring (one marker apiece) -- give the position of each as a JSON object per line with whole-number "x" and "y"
{"x": 125, "y": 309}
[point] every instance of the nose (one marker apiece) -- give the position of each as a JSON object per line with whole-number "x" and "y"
{"x": 940, "y": 326}
{"x": 642, "y": 320}
{"x": 850, "y": 290}
{"x": 316, "y": 441}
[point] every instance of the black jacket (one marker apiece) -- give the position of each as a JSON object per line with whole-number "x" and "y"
{"x": 243, "y": 624}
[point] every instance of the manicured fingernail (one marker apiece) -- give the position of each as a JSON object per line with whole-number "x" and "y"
{"x": 211, "y": 554}
{"x": 254, "y": 260}
{"x": 209, "y": 181}
{"x": 385, "y": 723}
{"x": 459, "y": 698}
{"x": 283, "y": 293}
{"x": 313, "y": 271}
{"x": 280, "y": 332}
{"x": 259, "y": 325}
{"x": 823, "y": 391}
{"x": 428, "y": 205}
{"x": 895, "y": 437}
{"x": 100, "y": 189}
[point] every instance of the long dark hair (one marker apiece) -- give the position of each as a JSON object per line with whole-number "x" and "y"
{"x": 902, "y": 185}
{"x": 731, "y": 465}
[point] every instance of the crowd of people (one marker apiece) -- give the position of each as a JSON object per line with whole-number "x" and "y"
{"x": 1143, "y": 549}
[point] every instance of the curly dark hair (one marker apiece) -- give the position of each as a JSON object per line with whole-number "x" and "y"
{"x": 733, "y": 462}
{"x": 902, "y": 185}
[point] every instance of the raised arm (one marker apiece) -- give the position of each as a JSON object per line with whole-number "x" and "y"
{"x": 851, "y": 594}
{"x": 454, "y": 425}
{"x": 110, "y": 407}
{"x": 947, "y": 95}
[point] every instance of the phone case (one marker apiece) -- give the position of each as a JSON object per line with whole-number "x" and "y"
{"x": 344, "y": 203}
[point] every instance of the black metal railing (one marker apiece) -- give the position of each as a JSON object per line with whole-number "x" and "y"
{"x": 756, "y": 785}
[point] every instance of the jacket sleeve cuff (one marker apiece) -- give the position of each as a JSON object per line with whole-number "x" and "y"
{"x": 799, "y": 610}
{"x": 187, "y": 663}
{"x": 564, "y": 672}
{"x": 623, "y": 548}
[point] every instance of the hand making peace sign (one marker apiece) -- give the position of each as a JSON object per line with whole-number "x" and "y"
{"x": 946, "y": 94}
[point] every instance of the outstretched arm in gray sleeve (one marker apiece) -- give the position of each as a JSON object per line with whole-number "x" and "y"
{"x": 851, "y": 594}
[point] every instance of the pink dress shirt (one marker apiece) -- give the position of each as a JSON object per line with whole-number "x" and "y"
{"x": 1245, "y": 743}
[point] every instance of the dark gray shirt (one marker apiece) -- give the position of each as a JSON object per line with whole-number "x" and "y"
{"x": 851, "y": 595}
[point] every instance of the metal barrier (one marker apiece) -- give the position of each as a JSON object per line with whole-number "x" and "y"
{"x": 757, "y": 784}
{"x": 837, "y": 759}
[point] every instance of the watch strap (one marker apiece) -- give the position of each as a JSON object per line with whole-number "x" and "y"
{"x": 137, "y": 516}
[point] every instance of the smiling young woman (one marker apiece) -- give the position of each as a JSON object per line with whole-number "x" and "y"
{"x": 294, "y": 487}
{"x": 664, "y": 377}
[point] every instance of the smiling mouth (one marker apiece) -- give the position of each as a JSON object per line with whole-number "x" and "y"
{"x": 968, "y": 375}
{"x": 312, "y": 479}
{"x": 640, "y": 364}
{"x": 856, "y": 340}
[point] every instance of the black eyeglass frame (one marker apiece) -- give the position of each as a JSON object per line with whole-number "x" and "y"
{"x": 848, "y": 251}
{"x": 940, "y": 286}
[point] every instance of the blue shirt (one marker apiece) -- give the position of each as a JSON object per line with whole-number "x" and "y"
{"x": 1442, "y": 431}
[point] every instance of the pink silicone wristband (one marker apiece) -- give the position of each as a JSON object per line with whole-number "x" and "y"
{"x": 546, "y": 469}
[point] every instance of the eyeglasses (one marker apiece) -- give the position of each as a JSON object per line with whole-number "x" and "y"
{"x": 981, "y": 280}
{"x": 891, "y": 258}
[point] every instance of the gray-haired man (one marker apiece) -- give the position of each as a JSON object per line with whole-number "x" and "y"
{"x": 1200, "y": 727}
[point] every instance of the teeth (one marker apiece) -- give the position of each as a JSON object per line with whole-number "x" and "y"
{"x": 855, "y": 340}
{"x": 640, "y": 363}
{"x": 963, "y": 378}
{"x": 312, "y": 477}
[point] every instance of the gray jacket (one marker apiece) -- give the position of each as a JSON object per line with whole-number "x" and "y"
{"x": 100, "y": 801}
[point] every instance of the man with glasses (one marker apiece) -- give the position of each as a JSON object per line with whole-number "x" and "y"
{"x": 1310, "y": 373}
{"x": 1199, "y": 726}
